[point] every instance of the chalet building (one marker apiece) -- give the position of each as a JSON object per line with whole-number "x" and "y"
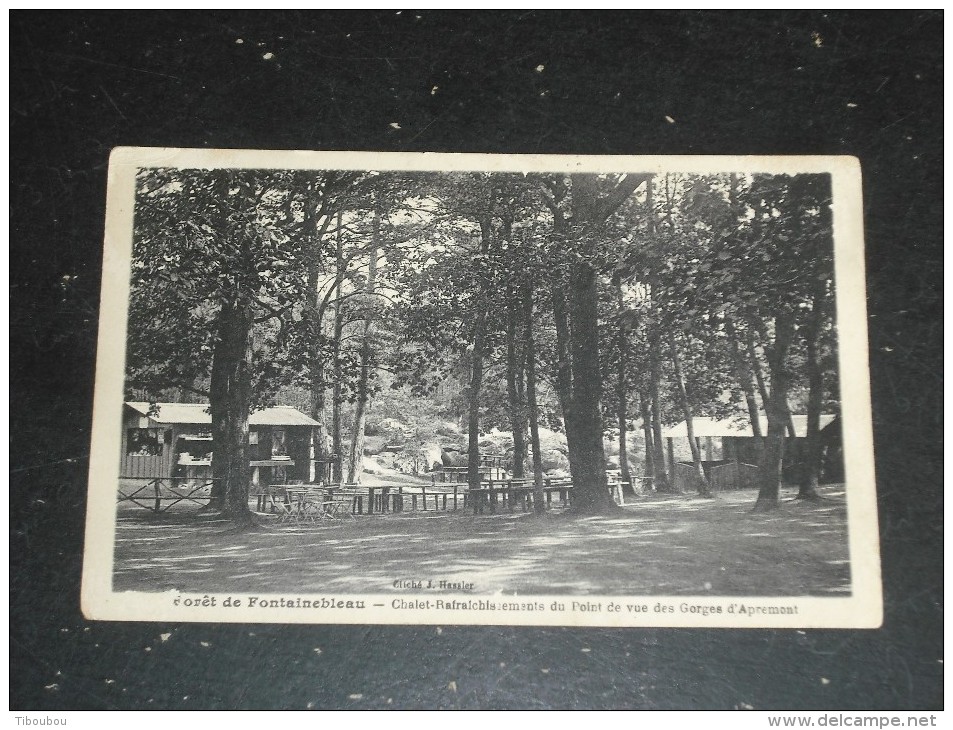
{"x": 725, "y": 442}
{"x": 175, "y": 440}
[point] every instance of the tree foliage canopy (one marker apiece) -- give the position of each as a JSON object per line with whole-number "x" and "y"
{"x": 711, "y": 280}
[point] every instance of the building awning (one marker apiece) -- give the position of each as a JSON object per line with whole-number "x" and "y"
{"x": 197, "y": 413}
{"x": 705, "y": 427}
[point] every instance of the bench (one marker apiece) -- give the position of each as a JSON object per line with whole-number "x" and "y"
{"x": 442, "y": 495}
{"x": 558, "y": 485}
{"x": 411, "y": 497}
{"x": 511, "y": 492}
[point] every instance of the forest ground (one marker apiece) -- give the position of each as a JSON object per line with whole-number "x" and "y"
{"x": 655, "y": 545}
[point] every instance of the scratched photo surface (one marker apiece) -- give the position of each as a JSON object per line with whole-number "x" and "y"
{"x": 482, "y": 389}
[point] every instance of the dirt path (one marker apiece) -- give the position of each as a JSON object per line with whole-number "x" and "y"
{"x": 654, "y": 546}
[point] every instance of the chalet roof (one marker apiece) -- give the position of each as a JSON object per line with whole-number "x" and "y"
{"x": 197, "y": 413}
{"x": 737, "y": 427}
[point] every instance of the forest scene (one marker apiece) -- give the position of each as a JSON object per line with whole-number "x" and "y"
{"x": 585, "y": 334}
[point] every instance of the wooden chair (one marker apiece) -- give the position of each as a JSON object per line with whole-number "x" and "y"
{"x": 285, "y": 502}
{"x": 339, "y": 504}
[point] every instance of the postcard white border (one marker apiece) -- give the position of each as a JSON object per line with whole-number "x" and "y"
{"x": 862, "y": 609}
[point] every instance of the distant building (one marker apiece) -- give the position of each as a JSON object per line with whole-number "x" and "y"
{"x": 176, "y": 441}
{"x": 732, "y": 440}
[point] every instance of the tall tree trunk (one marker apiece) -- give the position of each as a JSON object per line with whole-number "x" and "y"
{"x": 649, "y": 399}
{"x": 356, "y": 460}
{"x": 229, "y": 405}
{"x": 810, "y": 477}
{"x": 564, "y": 367}
{"x": 563, "y": 378}
{"x": 628, "y": 489}
{"x": 218, "y": 396}
{"x": 587, "y": 459}
{"x": 530, "y": 340}
{"x": 743, "y": 373}
{"x": 473, "y": 418}
{"x": 590, "y": 486}
{"x": 316, "y": 360}
{"x": 622, "y": 382}
{"x": 769, "y": 496}
{"x": 664, "y": 474}
{"x": 703, "y": 488}
{"x": 589, "y": 213}
{"x": 336, "y": 445}
{"x": 814, "y": 451}
{"x": 662, "y": 482}
{"x": 476, "y": 376}
{"x": 317, "y": 404}
{"x": 514, "y": 383}
{"x": 336, "y": 396}
{"x": 646, "y": 410}
{"x": 523, "y": 414}
{"x": 756, "y": 366}
{"x": 762, "y": 388}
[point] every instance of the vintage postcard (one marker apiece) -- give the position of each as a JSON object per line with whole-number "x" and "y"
{"x": 369, "y": 388}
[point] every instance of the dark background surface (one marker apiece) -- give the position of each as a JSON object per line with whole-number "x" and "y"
{"x": 735, "y": 83}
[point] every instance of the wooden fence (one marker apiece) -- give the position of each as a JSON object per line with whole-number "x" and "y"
{"x": 733, "y": 475}
{"x": 721, "y": 477}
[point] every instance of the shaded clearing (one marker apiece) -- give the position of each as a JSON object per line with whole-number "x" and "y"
{"x": 657, "y": 545}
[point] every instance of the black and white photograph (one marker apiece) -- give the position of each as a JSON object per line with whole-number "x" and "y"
{"x": 185, "y": 532}
{"x": 363, "y": 388}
